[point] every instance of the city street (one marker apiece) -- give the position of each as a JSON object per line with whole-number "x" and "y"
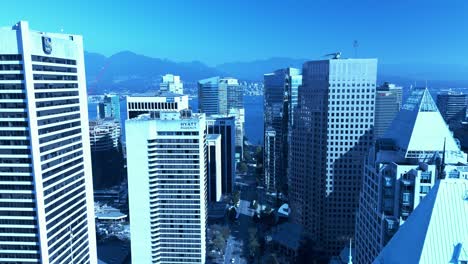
{"x": 237, "y": 244}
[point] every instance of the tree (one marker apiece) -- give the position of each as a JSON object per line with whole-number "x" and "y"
{"x": 254, "y": 246}
{"x": 271, "y": 259}
{"x": 247, "y": 156}
{"x": 235, "y": 197}
{"x": 242, "y": 167}
{"x": 225, "y": 232}
{"x": 219, "y": 242}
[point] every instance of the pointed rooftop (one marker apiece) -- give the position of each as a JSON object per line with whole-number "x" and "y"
{"x": 420, "y": 129}
{"x": 436, "y": 231}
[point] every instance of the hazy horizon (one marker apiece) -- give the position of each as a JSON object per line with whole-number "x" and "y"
{"x": 216, "y": 32}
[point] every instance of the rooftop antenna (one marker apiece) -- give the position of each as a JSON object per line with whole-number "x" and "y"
{"x": 350, "y": 259}
{"x": 355, "y": 46}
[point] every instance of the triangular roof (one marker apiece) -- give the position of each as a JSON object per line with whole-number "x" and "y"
{"x": 436, "y": 231}
{"x": 419, "y": 126}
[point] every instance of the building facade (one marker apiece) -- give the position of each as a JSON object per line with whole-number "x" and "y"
{"x": 109, "y": 107}
{"x": 46, "y": 191}
{"x": 452, "y": 107}
{"x": 212, "y": 98}
{"x": 167, "y": 187}
{"x": 281, "y": 90}
{"x": 387, "y": 105}
{"x": 270, "y": 160}
{"x": 106, "y": 153}
{"x": 226, "y": 127}
{"x": 165, "y": 101}
{"x": 400, "y": 171}
{"x": 331, "y": 135}
{"x": 171, "y": 83}
{"x": 213, "y": 142}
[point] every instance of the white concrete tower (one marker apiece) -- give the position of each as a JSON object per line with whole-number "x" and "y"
{"x": 46, "y": 195}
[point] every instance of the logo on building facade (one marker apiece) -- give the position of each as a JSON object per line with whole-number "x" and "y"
{"x": 188, "y": 125}
{"x": 47, "y": 45}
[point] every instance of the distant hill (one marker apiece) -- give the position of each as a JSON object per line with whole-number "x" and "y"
{"x": 127, "y": 71}
{"x": 254, "y": 70}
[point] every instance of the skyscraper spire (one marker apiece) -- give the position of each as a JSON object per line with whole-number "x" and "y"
{"x": 350, "y": 260}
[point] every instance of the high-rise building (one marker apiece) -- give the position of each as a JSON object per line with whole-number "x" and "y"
{"x": 47, "y": 211}
{"x": 270, "y": 160}
{"x": 106, "y": 152}
{"x": 104, "y": 134}
{"x": 239, "y": 115}
{"x": 234, "y": 92}
{"x": 436, "y": 232}
{"x": 387, "y": 105}
{"x": 171, "y": 83}
{"x": 280, "y": 90}
{"x": 167, "y": 187}
{"x": 452, "y": 106}
{"x": 214, "y": 167}
{"x": 331, "y": 135}
{"x": 224, "y": 96}
{"x": 109, "y": 107}
{"x": 218, "y": 95}
{"x": 401, "y": 169}
{"x": 137, "y": 105}
{"x": 226, "y": 127}
{"x": 212, "y": 98}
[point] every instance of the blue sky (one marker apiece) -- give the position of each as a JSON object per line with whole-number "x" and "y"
{"x": 224, "y": 31}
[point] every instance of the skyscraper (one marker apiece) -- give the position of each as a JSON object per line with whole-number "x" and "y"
{"x": 171, "y": 83}
{"x": 270, "y": 160}
{"x": 281, "y": 90}
{"x": 452, "y": 106}
{"x": 331, "y": 135}
{"x": 46, "y": 190}
{"x": 224, "y": 96}
{"x": 234, "y": 92}
{"x": 167, "y": 181}
{"x": 109, "y": 107}
{"x": 213, "y": 142}
{"x": 212, "y": 98}
{"x": 387, "y": 105}
{"x": 437, "y": 231}
{"x": 401, "y": 169}
{"x": 106, "y": 152}
{"x": 226, "y": 127}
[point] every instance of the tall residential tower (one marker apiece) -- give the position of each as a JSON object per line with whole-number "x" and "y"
{"x": 46, "y": 192}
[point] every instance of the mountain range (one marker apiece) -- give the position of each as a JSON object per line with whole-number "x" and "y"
{"x": 128, "y": 71}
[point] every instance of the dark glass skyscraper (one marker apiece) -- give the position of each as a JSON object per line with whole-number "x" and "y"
{"x": 331, "y": 135}
{"x": 280, "y": 89}
{"x": 452, "y": 106}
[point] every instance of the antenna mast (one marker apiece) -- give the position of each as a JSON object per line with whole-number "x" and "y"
{"x": 355, "y": 46}
{"x": 350, "y": 260}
